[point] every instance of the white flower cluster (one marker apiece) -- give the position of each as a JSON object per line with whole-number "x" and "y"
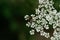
{"x": 45, "y": 15}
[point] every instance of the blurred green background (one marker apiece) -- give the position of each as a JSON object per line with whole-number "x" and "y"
{"x": 12, "y": 21}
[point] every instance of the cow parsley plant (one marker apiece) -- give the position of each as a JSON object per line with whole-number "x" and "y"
{"x": 45, "y": 18}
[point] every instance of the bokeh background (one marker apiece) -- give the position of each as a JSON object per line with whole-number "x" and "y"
{"x": 12, "y": 23}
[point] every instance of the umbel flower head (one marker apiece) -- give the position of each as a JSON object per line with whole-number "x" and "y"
{"x": 45, "y": 15}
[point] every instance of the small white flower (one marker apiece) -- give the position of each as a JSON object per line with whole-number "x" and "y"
{"x": 47, "y": 35}
{"x": 37, "y": 11}
{"x": 58, "y": 14}
{"x": 38, "y": 21}
{"x": 28, "y": 24}
{"x": 54, "y": 26}
{"x": 54, "y": 11}
{"x": 42, "y": 33}
{"x": 48, "y": 17}
{"x": 38, "y": 29}
{"x": 58, "y": 29}
{"x": 51, "y": 2}
{"x": 42, "y": 10}
{"x": 44, "y": 21}
{"x": 46, "y": 6}
{"x": 41, "y": 1}
{"x": 52, "y": 38}
{"x": 26, "y": 17}
{"x": 32, "y": 32}
{"x": 47, "y": 27}
{"x": 33, "y": 25}
{"x": 32, "y": 15}
{"x": 40, "y": 16}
